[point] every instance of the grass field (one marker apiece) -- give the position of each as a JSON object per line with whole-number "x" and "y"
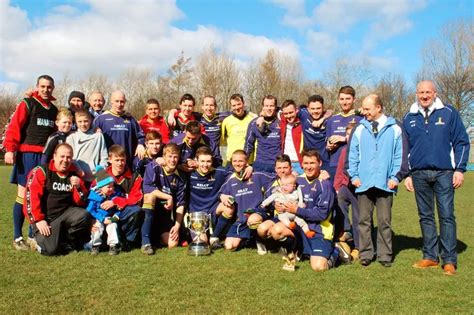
{"x": 240, "y": 282}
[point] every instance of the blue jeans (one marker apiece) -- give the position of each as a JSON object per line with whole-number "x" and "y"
{"x": 429, "y": 184}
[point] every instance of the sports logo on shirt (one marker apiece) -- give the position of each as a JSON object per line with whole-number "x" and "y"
{"x": 440, "y": 121}
{"x": 84, "y": 141}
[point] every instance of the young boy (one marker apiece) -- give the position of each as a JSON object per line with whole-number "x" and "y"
{"x": 152, "y": 121}
{"x": 165, "y": 183}
{"x": 104, "y": 219}
{"x": 129, "y": 186}
{"x": 243, "y": 196}
{"x": 64, "y": 125}
{"x": 346, "y": 197}
{"x": 154, "y": 150}
{"x": 89, "y": 150}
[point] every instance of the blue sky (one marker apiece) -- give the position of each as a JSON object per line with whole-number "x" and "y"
{"x": 110, "y": 36}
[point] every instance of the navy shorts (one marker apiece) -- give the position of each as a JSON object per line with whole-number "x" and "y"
{"x": 239, "y": 230}
{"x": 163, "y": 221}
{"x": 317, "y": 246}
{"x": 24, "y": 163}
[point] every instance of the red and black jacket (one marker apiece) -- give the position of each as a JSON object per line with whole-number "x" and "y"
{"x": 49, "y": 193}
{"x": 31, "y": 125}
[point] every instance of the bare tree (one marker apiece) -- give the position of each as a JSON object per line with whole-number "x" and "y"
{"x": 179, "y": 80}
{"x": 95, "y": 82}
{"x": 217, "y": 75}
{"x": 138, "y": 87}
{"x": 62, "y": 90}
{"x": 394, "y": 95}
{"x": 347, "y": 71}
{"x": 275, "y": 74}
{"x": 448, "y": 61}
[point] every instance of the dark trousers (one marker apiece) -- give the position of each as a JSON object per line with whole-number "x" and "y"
{"x": 129, "y": 224}
{"x": 71, "y": 227}
{"x": 382, "y": 200}
{"x": 346, "y": 197}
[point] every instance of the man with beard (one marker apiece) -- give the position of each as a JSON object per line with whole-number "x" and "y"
{"x": 265, "y": 137}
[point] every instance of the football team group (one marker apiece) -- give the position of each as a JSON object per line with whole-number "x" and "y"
{"x": 298, "y": 179}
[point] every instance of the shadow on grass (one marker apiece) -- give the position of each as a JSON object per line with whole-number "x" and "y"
{"x": 403, "y": 242}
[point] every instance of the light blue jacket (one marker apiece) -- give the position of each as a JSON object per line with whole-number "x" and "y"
{"x": 376, "y": 159}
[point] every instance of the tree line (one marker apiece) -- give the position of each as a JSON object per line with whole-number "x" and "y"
{"x": 446, "y": 59}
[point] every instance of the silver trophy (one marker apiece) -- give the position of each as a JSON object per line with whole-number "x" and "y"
{"x": 198, "y": 224}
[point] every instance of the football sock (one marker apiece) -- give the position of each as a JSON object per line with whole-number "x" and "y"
{"x": 18, "y": 218}
{"x": 288, "y": 243}
{"x": 222, "y": 223}
{"x": 332, "y": 260}
{"x": 147, "y": 225}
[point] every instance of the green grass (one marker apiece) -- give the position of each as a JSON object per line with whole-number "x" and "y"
{"x": 240, "y": 282}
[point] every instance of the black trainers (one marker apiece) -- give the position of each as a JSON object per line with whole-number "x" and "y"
{"x": 20, "y": 244}
{"x": 114, "y": 250}
{"x": 217, "y": 245}
{"x": 95, "y": 250}
{"x": 147, "y": 250}
{"x": 344, "y": 252}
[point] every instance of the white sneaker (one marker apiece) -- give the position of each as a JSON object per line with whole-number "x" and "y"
{"x": 32, "y": 243}
{"x": 20, "y": 244}
{"x": 261, "y": 249}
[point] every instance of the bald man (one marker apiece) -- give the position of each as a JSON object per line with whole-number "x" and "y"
{"x": 438, "y": 150}
{"x": 121, "y": 128}
{"x": 377, "y": 164}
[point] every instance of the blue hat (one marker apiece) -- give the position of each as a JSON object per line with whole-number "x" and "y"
{"x": 102, "y": 177}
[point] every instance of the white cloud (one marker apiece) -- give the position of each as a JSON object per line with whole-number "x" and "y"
{"x": 65, "y": 10}
{"x": 295, "y": 15}
{"x": 385, "y": 17}
{"x": 321, "y": 44}
{"x": 381, "y": 64}
{"x": 249, "y": 46}
{"x": 111, "y": 37}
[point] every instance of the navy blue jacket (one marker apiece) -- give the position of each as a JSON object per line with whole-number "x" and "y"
{"x": 440, "y": 143}
{"x": 267, "y": 143}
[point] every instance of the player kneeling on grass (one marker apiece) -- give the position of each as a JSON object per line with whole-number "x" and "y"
{"x": 54, "y": 196}
{"x": 164, "y": 183}
{"x": 106, "y": 218}
{"x": 243, "y": 196}
{"x": 288, "y": 192}
{"x": 319, "y": 197}
{"x": 205, "y": 183}
{"x": 128, "y": 186}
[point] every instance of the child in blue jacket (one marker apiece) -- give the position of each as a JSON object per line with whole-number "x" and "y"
{"x": 102, "y": 208}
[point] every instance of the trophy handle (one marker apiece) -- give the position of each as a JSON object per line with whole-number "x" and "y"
{"x": 209, "y": 223}
{"x": 186, "y": 220}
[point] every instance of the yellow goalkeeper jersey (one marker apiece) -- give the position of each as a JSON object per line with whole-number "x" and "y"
{"x": 234, "y": 131}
